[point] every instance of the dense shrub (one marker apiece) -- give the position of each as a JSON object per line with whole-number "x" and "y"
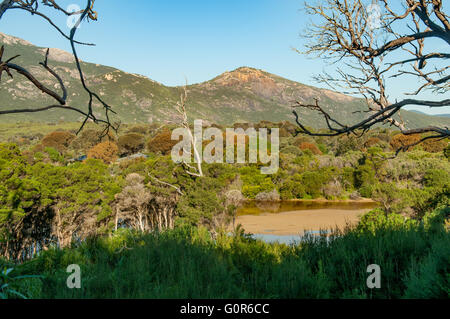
{"x": 292, "y": 188}
{"x": 392, "y": 199}
{"x": 313, "y": 183}
{"x": 309, "y": 146}
{"x": 288, "y": 127}
{"x": 53, "y": 155}
{"x": 302, "y": 139}
{"x": 88, "y": 138}
{"x": 323, "y": 148}
{"x": 377, "y": 219}
{"x": 436, "y": 178}
{"x": 105, "y": 151}
{"x": 332, "y": 190}
{"x": 434, "y": 145}
{"x": 140, "y": 129}
{"x": 162, "y": 143}
{"x": 205, "y": 204}
{"x": 290, "y": 150}
{"x": 47, "y": 199}
{"x": 402, "y": 141}
{"x": 59, "y": 140}
{"x": 37, "y": 187}
{"x": 365, "y": 180}
{"x": 345, "y": 144}
{"x": 254, "y": 182}
{"x": 271, "y": 196}
{"x": 429, "y": 278}
{"x": 348, "y": 178}
{"x": 372, "y": 141}
{"x": 414, "y": 262}
{"x": 447, "y": 152}
{"x": 130, "y": 144}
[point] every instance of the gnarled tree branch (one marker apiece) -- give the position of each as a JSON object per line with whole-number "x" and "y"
{"x": 32, "y": 6}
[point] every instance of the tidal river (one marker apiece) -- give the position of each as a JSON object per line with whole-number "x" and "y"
{"x": 288, "y": 221}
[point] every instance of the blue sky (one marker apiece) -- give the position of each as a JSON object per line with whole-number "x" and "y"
{"x": 171, "y": 40}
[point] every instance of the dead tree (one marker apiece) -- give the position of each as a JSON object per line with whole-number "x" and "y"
{"x": 132, "y": 204}
{"x": 184, "y": 122}
{"x": 373, "y": 42}
{"x": 7, "y": 66}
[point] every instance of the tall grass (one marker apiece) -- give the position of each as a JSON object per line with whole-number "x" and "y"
{"x": 188, "y": 263}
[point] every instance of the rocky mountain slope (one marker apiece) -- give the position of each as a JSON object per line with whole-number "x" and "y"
{"x": 242, "y": 95}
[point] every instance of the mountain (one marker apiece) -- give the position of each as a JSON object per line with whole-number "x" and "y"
{"x": 438, "y": 115}
{"x": 242, "y": 95}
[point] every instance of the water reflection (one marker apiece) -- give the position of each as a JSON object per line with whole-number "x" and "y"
{"x": 268, "y": 207}
{"x": 258, "y": 208}
{"x": 289, "y": 239}
{"x": 289, "y": 222}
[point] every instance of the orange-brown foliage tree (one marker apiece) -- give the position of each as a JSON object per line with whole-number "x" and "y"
{"x": 88, "y": 138}
{"x": 400, "y": 141}
{"x": 312, "y": 147}
{"x": 162, "y": 143}
{"x": 131, "y": 143}
{"x": 434, "y": 146}
{"x": 372, "y": 141}
{"x": 59, "y": 140}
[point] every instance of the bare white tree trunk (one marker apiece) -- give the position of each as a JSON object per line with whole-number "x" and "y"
{"x": 197, "y": 157}
{"x": 181, "y": 109}
{"x": 117, "y": 218}
{"x": 141, "y": 224}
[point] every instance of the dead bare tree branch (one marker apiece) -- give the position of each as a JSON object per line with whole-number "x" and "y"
{"x": 184, "y": 122}
{"x": 178, "y": 189}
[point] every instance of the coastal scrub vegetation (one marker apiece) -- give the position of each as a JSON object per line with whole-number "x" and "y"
{"x": 118, "y": 217}
{"x": 187, "y": 262}
{"x": 142, "y": 226}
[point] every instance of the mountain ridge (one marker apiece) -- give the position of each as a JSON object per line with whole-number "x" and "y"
{"x": 242, "y": 95}
{"x": 438, "y": 115}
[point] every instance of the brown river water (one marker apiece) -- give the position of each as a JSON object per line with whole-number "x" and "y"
{"x": 287, "y": 221}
